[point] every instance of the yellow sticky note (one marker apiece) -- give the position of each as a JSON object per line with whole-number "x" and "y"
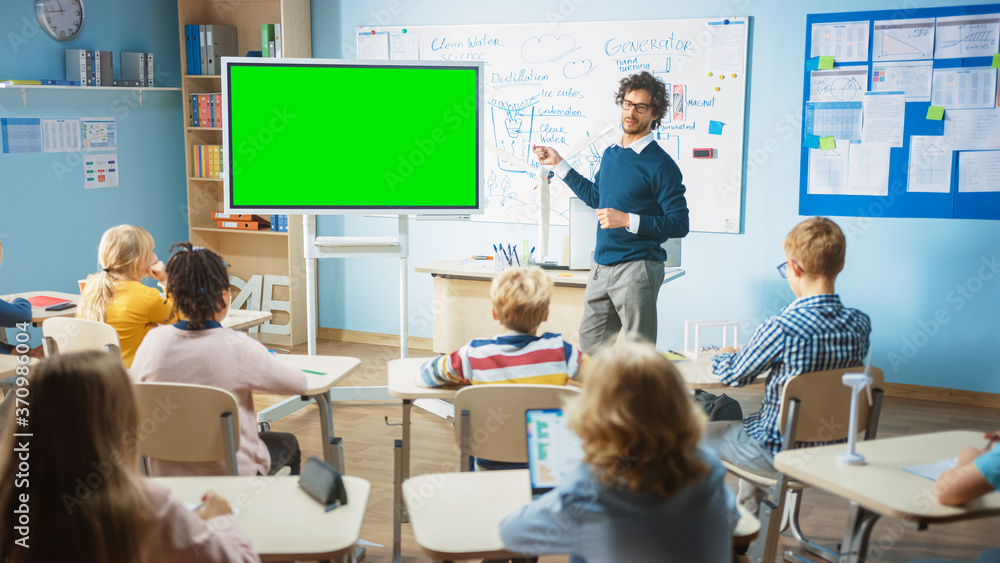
{"x": 935, "y": 112}
{"x": 825, "y": 63}
{"x": 564, "y": 275}
{"x": 996, "y": 60}
{"x": 827, "y": 143}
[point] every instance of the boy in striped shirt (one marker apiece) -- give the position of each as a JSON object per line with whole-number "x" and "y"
{"x": 815, "y": 332}
{"x": 520, "y": 298}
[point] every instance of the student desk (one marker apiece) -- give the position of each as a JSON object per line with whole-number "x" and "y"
{"x": 237, "y": 319}
{"x": 39, "y": 314}
{"x": 462, "y": 301}
{"x": 457, "y": 515}
{"x": 402, "y": 383}
{"x": 882, "y": 487}
{"x": 330, "y": 370}
{"x": 283, "y": 522}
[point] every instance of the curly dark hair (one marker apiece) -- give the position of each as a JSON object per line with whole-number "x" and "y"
{"x": 657, "y": 93}
{"x": 196, "y": 278}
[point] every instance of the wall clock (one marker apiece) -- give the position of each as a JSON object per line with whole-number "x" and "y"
{"x": 61, "y": 19}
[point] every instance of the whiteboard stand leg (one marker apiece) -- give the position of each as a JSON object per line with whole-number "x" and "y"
{"x": 312, "y": 320}
{"x": 404, "y": 314}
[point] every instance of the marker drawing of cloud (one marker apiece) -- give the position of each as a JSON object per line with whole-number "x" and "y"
{"x": 547, "y": 48}
{"x": 576, "y": 69}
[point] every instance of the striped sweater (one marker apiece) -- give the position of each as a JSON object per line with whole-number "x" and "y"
{"x": 509, "y": 358}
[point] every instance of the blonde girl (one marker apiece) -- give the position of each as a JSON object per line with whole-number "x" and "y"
{"x": 116, "y": 296}
{"x": 86, "y": 499}
{"x": 645, "y": 491}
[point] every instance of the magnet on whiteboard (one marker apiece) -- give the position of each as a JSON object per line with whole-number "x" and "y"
{"x": 710, "y": 74}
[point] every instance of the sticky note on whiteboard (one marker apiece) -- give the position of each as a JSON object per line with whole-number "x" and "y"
{"x": 935, "y": 112}
{"x": 827, "y": 143}
{"x": 811, "y": 141}
{"x": 996, "y": 60}
{"x": 715, "y": 127}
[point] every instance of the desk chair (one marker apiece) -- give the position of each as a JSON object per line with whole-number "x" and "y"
{"x": 61, "y": 335}
{"x": 490, "y": 424}
{"x": 815, "y": 407}
{"x": 204, "y": 427}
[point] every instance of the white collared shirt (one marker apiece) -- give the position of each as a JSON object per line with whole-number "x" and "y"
{"x": 563, "y": 168}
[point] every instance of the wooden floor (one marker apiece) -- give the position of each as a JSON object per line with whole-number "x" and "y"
{"x": 368, "y": 444}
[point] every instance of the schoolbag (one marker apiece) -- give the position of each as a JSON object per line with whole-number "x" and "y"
{"x": 718, "y": 407}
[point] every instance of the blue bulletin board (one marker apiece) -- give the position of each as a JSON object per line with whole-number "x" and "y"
{"x": 909, "y": 49}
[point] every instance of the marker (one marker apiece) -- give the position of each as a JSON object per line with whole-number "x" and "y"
{"x": 479, "y": 257}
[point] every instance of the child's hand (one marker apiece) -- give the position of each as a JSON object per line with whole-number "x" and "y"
{"x": 158, "y": 271}
{"x": 727, "y": 350}
{"x": 213, "y": 506}
{"x": 969, "y": 454}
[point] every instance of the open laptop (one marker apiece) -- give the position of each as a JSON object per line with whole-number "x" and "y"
{"x": 553, "y": 449}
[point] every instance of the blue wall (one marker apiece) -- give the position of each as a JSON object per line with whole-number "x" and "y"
{"x": 50, "y": 226}
{"x": 908, "y": 274}
{"x": 928, "y": 285}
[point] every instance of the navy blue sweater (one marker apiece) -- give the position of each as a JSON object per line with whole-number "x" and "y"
{"x": 12, "y": 313}
{"x": 647, "y": 184}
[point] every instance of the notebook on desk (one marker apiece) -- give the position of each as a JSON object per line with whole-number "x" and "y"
{"x": 553, "y": 449}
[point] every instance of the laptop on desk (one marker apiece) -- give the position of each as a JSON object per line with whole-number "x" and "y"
{"x": 553, "y": 449}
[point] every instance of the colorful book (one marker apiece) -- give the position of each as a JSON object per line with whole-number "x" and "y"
{"x": 267, "y": 39}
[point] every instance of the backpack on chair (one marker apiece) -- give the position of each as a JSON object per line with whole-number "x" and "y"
{"x": 718, "y": 407}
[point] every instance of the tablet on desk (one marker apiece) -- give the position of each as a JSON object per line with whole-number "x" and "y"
{"x": 45, "y": 302}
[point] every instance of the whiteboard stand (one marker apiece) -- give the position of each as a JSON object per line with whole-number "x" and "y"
{"x": 317, "y": 247}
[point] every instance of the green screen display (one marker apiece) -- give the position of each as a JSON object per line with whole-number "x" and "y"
{"x": 323, "y": 136}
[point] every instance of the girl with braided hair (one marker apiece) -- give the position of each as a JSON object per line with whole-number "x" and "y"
{"x": 198, "y": 350}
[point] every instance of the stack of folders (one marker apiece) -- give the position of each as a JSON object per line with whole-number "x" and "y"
{"x": 206, "y": 161}
{"x": 279, "y": 223}
{"x": 97, "y": 68}
{"x": 270, "y": 40}
{"x": 241, "y": 221}
{"x": 206, "y": 110}
{"x": 205, "y": 45}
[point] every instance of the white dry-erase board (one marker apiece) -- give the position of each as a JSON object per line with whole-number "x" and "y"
{"x": 554, "y": 84}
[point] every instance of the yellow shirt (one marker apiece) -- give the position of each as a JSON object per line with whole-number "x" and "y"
{"x": 135, "y": 309}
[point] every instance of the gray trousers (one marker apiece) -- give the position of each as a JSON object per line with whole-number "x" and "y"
{"x": 730, "y": 441}
{"x": 623, "y": 295}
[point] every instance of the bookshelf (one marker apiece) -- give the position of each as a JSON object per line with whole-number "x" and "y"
{"x": 248, "y": 253}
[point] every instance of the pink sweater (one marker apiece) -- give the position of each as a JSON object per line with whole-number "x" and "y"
{"x": 178, "y": 535}
{"x": 224, "y": 358}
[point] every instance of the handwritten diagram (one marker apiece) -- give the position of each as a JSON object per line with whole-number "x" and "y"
{"x": 555, "y": 85}
{"x": 897, "y": 40}
{"x": 840, "y": 85}
{"x": 966, "y": 36}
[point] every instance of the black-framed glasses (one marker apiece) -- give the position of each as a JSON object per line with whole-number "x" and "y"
{"x": 639, "y": 108}
{"x": 783, "y": 268}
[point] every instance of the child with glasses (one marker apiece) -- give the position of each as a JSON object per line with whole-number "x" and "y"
{"x": 815, "y": 332}
{"x": 199, "y": 350}
{"x": 116, "y": 296}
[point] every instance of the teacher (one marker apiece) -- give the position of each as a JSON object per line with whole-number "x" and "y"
{"x": 640, "y": 203}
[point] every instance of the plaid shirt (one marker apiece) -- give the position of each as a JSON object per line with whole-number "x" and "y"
{"x": 811, "y": 334}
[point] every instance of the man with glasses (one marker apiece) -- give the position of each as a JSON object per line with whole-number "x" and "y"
{"x": 815, "y": 332}
{"x": 640, "y": 203}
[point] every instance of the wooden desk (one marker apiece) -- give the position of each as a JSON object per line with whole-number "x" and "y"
{"x": 242, "y": 319}
{"x": 882, "y": 487}
{"x": 462, "y": 301}
{"x": 39, "y": 314}
{"x": 458, "y": 515}
{"x": 282, "y": 521}
{"x": 331, "y": 370}
{"x": 402, "y": 383}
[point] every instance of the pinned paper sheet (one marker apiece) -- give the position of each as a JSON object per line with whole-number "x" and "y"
{"x": 715, "y": 127}
{"x": 827, "y": 143}
{"x": 811, "y": 141}
{"x": 935, "y": 112}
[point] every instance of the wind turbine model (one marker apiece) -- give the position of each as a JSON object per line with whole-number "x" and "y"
{"x": 542, "y": 173}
